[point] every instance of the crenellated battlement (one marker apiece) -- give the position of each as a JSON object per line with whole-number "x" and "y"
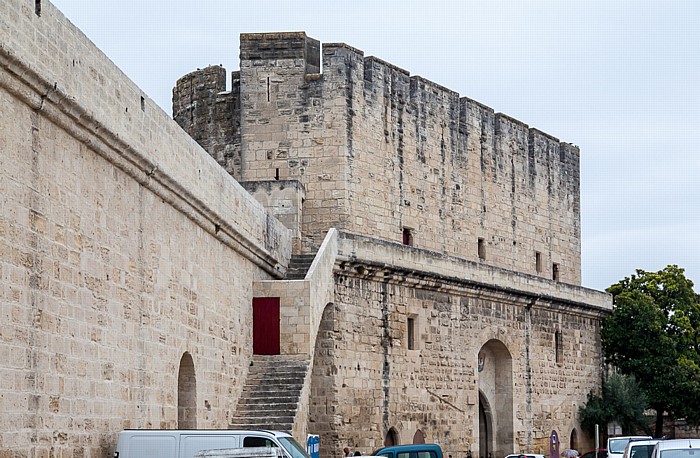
{"x": 384, "y": 153}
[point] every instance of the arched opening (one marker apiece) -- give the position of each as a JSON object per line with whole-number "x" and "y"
{"x": 485, "y": 427}
{"x": 573, "y": 440}
{"x": 391, "y": 438}
{"x": 495, "y": 371}
{"x": 323, "y": 379}
{"x": 419, "y": 437}
{"x": 186, "y": 394}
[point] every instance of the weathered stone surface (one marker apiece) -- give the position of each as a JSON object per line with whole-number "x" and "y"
{"x": 129, "y": 258}
{"x": 378, "y": 150}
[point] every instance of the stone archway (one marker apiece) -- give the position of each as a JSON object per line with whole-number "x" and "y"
{"x": 186, "y": 394}
{"x": 573, "y": 440}
{"x": 495, "y": 373}
{"x": 419, "y": 437}
{"x": 392, "y": 438}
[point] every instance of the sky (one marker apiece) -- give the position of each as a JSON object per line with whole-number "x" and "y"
{"x": 620, "y": 79}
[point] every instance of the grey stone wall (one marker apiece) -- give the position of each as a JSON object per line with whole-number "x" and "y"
{"x": 379, "y": 151}
{"x": 123, "y": 246}
{"x": 366, "y": 380}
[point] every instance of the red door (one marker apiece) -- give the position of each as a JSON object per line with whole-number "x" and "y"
{"x": 266, "y": 325}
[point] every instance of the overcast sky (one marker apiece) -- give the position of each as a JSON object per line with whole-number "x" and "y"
{"x": 620, "y": 79}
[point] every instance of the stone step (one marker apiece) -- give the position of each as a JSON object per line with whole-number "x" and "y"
{"x": 240, "y": 419}
{"x": 284, "y": 427}
{"x": 259, "y": 407}
{"x": 299, "y": 265}
{"x": 270, "y": 396}
{"x": 266, "y": 372}
{"x": 291, "y": 398}
{"x": 266, "y": 390}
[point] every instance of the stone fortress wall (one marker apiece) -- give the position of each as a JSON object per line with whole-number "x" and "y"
{"x": 129, "y": 258}
{"x": 378, "y": 150}
{"x": 117, "y": 262}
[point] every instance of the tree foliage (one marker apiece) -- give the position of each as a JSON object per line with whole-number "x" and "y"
{"x": 653, "y": 333}
{"x": 622, "y": 401}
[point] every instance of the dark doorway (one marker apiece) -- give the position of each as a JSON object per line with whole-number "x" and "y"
{"x": 485, "y": 436}
{"x": 186, "y": 394}
{"x": 391, "y": 438}
{"x": 266, "y": 325}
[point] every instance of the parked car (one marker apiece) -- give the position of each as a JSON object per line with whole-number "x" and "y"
{"x": 600, "y": 453}
{"x": 677, "y": 448}
{"x": 640, "y": 448}
{"x": 616, "y": 445}
{"x": 410, "y": 451}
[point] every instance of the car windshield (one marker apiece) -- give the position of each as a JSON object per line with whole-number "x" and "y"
{"x": 618, "y": 445}
{"x": 641, "y": 451}
{"x": 293, "y": 448}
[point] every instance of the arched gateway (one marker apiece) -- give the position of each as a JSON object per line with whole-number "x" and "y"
{"x": 495, "y": 374}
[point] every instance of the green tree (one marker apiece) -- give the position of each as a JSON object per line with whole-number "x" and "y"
{"x": 623, "y": 401}
{"x": 653, "y": 333}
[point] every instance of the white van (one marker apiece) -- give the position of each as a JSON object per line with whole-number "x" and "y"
{"x": 185, "y": 443}
{"x": 677, "y": 448}
{"x": 616, "y": 445}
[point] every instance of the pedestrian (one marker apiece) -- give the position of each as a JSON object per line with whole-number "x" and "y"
{"x": 357, "y": 453}
{"x": 346, "y": 451}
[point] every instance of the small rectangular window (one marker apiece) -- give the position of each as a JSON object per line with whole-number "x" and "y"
{"x": 538, "y": 262}
{"x": 407, "y": 236}
{"x": 558, "y": 344}
{"x": 481, "y": 249}
{"x": 411, "y": 333}
{"x": 555, "y": 271}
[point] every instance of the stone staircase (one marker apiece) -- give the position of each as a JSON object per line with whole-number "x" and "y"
{"x": 271, "y": 394}
{"x": 298, "y": 266}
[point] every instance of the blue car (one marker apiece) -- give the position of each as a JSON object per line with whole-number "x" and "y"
{"x": 410, "y": 451}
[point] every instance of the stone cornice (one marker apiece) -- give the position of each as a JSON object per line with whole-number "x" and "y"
{"x": 366, "y": 265}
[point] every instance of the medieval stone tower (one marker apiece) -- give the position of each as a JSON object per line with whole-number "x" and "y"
{"x": 420, "y": 178}
{"x": 343, "y": 249}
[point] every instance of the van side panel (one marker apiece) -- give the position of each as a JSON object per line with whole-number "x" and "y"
{"x": 190, "y": 444}
{"x": 151, "y": 446}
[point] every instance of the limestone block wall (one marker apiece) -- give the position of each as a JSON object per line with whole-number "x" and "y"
{"x": 115, "y": 258}
{"x": 367, "y": 379}
{"x": 302, "y": 301}
{"x": 210, "y": 113}
{"x": 283, "y": 199}
{"x": 380, "y": 152}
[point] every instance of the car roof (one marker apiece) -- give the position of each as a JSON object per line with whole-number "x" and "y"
{"x": 408, "y": 448}
{"x": 672, "y": 444}
{"x": 643, "y": 442}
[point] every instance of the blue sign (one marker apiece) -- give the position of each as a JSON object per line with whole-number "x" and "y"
{"x": 312, "y": 445}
